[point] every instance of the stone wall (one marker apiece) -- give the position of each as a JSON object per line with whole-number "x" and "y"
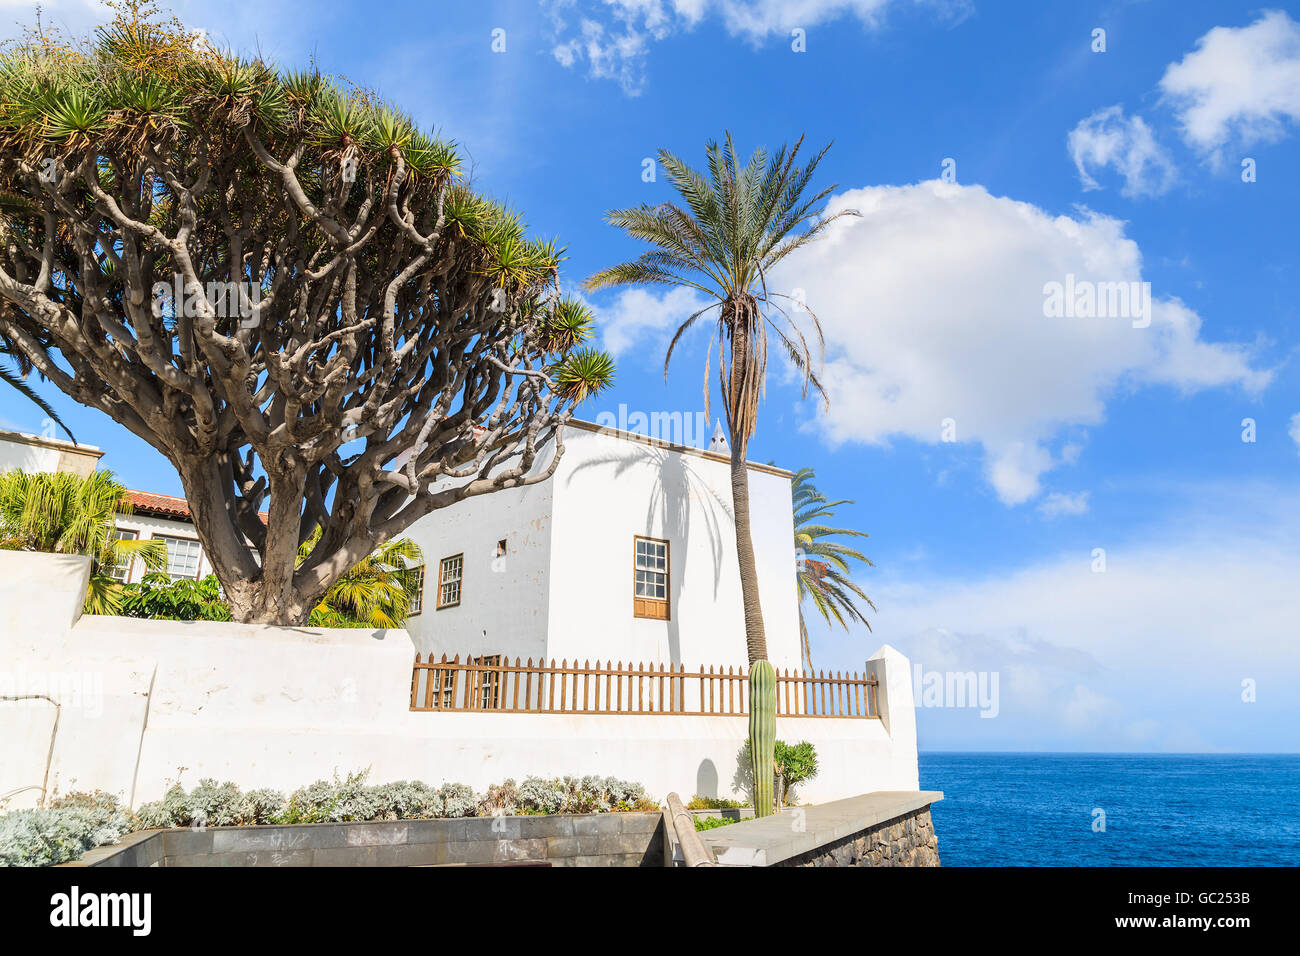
{"x": 591, "y": 839}
{"x": 908, "y": 840}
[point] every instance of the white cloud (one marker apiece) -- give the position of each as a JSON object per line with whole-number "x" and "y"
{"x": 1109, "y": 139}
{"x": 1057, "y": 503}
{"x": 1239, "y": 83}
{"x": 613, "y": 37}
{"x": 933, "y": 307}
{"x": 1150, "y": 654}
{"x": 645, "y": 321}
{"x": 1294, "y": 431}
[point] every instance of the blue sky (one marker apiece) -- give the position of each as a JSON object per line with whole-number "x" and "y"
{"x": 1072, "y": 434}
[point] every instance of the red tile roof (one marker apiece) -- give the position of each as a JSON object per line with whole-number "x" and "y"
{"x": 166, "y": 506}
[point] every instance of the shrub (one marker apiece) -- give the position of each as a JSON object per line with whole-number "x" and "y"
{"x": 334, "y": 801}
{"x": 540, "y": 795}
{"x": 501, "y": 798}
{"x": 80, "y": 821}
{"x": 173, "y": 810}
{"x": 795, "y": 763}
{"x": 68, "y": 828}
{"x": 712, "y": 823}
{"x": 260, "y": 807}
{"x": 714, "y": 803}
{"x": 458, "y": 800}
{"x": 407, "y": 800}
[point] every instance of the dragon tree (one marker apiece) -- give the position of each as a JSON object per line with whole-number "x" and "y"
{"x": 285, "y": 287}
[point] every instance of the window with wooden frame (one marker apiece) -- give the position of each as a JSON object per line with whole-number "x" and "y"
{"x": 122, "y": 571}
{"x": 449, "y": 580}
{"x": 415, "y": 585}
{"x": 650, "y": 574}
{"x": 183, "y": 556}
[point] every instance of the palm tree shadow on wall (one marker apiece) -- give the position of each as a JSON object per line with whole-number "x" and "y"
{"x": 676, "y": 486}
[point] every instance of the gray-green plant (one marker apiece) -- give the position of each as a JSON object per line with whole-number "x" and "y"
{"x": 62, "y": 832}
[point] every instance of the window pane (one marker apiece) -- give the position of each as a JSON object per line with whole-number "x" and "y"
{"x": 182, "y": 557}
{"x": 650, "y": 578}
{"x": 122, "y": 569}
{"x": 416, "y": 583}
{"x": 450, "y": 571}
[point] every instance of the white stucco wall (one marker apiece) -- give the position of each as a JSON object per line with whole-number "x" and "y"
{"x": 563, "y": 591}
{"x": 25, "y": 452}
{"x": 22, "y": 456}
{"x": 609, "y": 489}
{"x": 282, "y": 706}
{"x": 504, "y": 600}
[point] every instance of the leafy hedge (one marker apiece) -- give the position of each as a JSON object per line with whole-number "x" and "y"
{"x": 80, "y": 822}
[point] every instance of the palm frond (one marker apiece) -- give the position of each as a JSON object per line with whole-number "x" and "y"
{"x": 822, "y": 578}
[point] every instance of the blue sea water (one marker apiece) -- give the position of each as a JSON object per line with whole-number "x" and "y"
{"x": 1038, "y": 809}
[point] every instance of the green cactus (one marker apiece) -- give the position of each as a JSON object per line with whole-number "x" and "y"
{"x": 762, "y": 734}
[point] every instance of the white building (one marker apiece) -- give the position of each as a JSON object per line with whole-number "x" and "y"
{"x": 24, "y": 452}
{"x": 627, "y": 553}
{"x": 164, "y": 517}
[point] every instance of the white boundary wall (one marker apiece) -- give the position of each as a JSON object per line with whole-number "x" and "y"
{"x": 136, "y": 701}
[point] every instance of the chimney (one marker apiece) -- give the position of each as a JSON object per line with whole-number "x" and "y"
{"x": 718, "y": 443}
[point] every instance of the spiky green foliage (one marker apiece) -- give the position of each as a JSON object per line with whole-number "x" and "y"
{"x": 14, "y": 371}
{"x": 374, "y": 592}
{"x": 735, "y": 225}
{"x": 62, "y": 513}
{"x": 732, "y": 226}
{"x": 385, "y": 305}
{"x": 762, "y": 734}
{"x": 823, "y": 574}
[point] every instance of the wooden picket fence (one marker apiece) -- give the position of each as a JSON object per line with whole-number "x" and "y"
{"x": 491, "y": 684}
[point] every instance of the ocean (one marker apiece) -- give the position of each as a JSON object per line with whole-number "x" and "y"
{"x": 1050, "y": 809}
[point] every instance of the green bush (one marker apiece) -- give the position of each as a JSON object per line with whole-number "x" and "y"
{"x": 158, "y": 597}
{"x": 795, "y": 764}
{"x": 714, "y": 803}
{"x": 712, "y": 823}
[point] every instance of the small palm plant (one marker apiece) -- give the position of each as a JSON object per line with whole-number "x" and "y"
{"x": 62, "y": 513}
{"x": 375, "y": 592}
{"x": 823, "y": 569}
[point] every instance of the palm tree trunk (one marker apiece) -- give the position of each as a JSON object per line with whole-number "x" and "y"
{"x": 755, "y": 637}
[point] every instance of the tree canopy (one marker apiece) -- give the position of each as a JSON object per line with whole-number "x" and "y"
{"x": 286, "y": 287}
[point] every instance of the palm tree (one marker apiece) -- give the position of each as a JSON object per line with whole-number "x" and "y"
{"x": 737, "y": 224}
{"x": 62, "y": 513}
{"x": 823, "y": 569}
{"x": 15, "y": 376}
{"x": 375, "y": 592}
